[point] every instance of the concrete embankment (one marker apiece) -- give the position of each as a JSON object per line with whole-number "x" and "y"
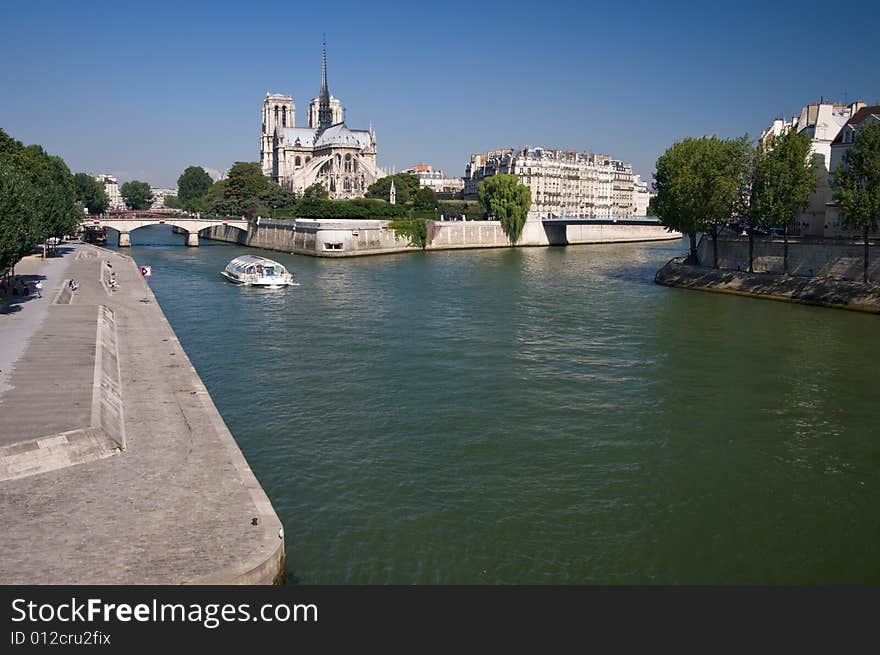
{"x": 811, "y": 291}
{"x": 349, "y": 238}
{"x": 115, "y": 465}
{"x": 809, "y": 257}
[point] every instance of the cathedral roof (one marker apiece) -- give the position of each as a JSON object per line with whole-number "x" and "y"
{"x": 341, "y": 135}
{"x": 336, "y": 135}
{"x": 306, "y": 136}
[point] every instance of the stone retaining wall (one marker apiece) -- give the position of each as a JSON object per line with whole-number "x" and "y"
{"x": 811, "y": 291}
{"x": 348, "y": 238}
{"x": 840, "y": 259}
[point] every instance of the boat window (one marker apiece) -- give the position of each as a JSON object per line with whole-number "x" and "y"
{"x": 270, "y": 270}
{"x": 332, "y": 246}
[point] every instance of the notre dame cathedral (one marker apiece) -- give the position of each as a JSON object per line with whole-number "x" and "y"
{"x": 327, "y": 151}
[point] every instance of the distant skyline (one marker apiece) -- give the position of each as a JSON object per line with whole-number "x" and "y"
{"x": 144, "y": 91}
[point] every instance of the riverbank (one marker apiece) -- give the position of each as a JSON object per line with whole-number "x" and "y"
{"x": 115, "y": 465}
{"x": 352, "y": 238}
{"x": 824, "y": 292}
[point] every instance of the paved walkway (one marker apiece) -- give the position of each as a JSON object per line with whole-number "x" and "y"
{"x": 28, "y": 311}
{"x": 178, "y": 505}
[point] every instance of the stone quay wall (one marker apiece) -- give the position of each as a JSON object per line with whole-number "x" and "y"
{"x": 824, "y": 292}
{"x": 319, "y": 238}
{"x": 115, "y": 465}
{"x": 833, "y": 258}
{"x": 350, "y": 238}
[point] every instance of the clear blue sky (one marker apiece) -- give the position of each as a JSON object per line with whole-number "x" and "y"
{"x": 144, "y": 91}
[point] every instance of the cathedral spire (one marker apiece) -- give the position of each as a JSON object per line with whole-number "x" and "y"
{"x": 325, "y": 115}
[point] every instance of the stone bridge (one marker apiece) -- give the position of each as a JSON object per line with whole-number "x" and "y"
{"x": 126, "y": 224}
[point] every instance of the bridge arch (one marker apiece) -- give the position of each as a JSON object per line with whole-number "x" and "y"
{"x": 191, "y": 226}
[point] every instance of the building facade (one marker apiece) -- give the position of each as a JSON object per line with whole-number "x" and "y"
{"x": 839, "y": 147}
{"x": 326, "y": 151}
{"x": 443, "y": 186}
{"x": 563, "y": 183}
{"x": 111, "y": 188}
{"x": 159, "y": 195}
{"x": 822, "y": 122}
{"x": 642, "y": 194}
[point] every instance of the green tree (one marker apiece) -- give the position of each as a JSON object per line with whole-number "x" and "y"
{"x": 856, "y": 184}
{"x": 405, "y": 187}
{"x": 700, "y": 185}
{"x": 90, "y": 193}
{"x": 244, "y": 184}
{"x": 425, "y": 198}
{"x": 316, "y": 191}
{"x": 173, "y": 202}
{"x": 192, "y": 185}
{"x": 18, "y": 215}
{"x": 37, "y": 198}
{"x": 507, "y": 200}
{"x": 784, "y": 178}
{"x": 137, "y": 194}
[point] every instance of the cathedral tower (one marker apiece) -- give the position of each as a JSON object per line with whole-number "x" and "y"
{"x": 278, "y": 112}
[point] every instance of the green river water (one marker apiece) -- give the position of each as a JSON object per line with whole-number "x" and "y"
{"x": 538, "y": 416}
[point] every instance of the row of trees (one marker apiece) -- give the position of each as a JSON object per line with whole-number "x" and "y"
{"x": 37, "y": 199}
{"x": 705, "y": 183}
{"x": 90, "y": 193}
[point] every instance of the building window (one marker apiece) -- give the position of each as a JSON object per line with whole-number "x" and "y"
{"x": 297, "y": 161}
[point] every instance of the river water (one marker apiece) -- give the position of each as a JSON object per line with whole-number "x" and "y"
{"x": 537, "y": 416}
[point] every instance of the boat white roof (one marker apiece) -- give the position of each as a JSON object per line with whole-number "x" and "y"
{"x": 254, "y": 259}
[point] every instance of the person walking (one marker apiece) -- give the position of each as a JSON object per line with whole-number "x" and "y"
{"x": 39, "y": 287}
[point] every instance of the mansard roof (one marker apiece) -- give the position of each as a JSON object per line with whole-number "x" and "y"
{"x": 857, "y": 118}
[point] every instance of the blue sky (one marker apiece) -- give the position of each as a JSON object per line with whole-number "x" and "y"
{"x": 145, "y": 90}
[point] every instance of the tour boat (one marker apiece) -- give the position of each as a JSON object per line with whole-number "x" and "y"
{"x": 257, "y": 272}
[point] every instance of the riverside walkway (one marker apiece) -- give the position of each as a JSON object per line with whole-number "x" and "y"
{"x": 115, "y": 465}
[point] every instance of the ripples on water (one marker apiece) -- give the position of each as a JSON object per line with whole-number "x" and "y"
{"x": 541, "y": 415}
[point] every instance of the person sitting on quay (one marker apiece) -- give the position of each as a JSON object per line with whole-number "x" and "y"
{"x": 73, "y": 285}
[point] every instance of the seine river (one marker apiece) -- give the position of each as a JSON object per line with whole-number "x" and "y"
{"x": 538, "y": 416}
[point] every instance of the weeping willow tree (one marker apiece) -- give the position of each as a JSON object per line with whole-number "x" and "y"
{"x": 506, "y": 199}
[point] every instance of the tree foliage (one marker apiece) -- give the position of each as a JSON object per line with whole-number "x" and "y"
{"x": 244, "y": 184}
{"x": 192, "y": 185}
{"x": 172, "y": 202}
{"x": 364, "y": 208}
{"x": 414, "y": 229}
{"x": 405, "y": 187}
{"x": 507, "y": 200}
{"x": 316, "y": 191}
{"x": 701, "y": 184}
{"x": 37, "y": 199}
{"x": 277, "y": 198}
{"x": 137, "y": 194}
{"x": 784, "y": 178}
{"x": 856, "y": 184}
{"x": 425, "y": 198}
{"x": 90, "y": 193}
